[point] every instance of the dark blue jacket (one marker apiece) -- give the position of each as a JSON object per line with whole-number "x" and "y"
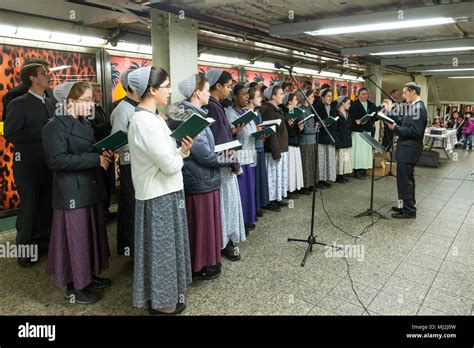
{"x": 201, "y": 168}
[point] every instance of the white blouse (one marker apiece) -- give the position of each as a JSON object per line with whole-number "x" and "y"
{"x": 156, "y": 161}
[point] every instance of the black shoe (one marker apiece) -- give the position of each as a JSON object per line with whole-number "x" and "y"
{"x": 326, "y": 184}
{"x": 230, "y": 252}
{"x": 83, "y": 296}
{"x": 397, "y": 209}
{"x": 403, "y": 215}
{"x": 272, "y": 207}
{"x": 250, "y": 226}
{"x": 282, "y": 204}
{"x": 99, "y": 283}
{"x": 340, "y": 179}
{"x": 259, "y": 213}
{"x": 292, "y": 195}
{"x": 346, "y": 180}
{"x": 306, "y": 191}
{"x": 320, "y": 186}
{"x": 26, "y": 262}
{"x": 179, "y": 308}
{"x": 358, "y": 175}
{"x": 208, "y": 273}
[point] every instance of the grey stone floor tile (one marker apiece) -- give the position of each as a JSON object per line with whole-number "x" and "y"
{"x": 388, "y": 304}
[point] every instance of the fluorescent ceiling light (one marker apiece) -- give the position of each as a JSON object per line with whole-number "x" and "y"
{"x": 222, "y": 60}
{"x": 33, "y": 34}
{"x": 461, "y": 77}
{"x": 428, "y": 50}
{"x": 61, "y": 67}
{"x": 146, "y": 49}
{"x": 401, "y": 24}
{"x": 441, "y": 70}
{"x": 92, "y": 41}
{"x": 64, "y": 37}
{"x": 6, "y": 30}
{"x": 127, "y": 46}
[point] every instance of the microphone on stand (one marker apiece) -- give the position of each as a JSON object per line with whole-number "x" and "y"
{"x": 279, "y": 65}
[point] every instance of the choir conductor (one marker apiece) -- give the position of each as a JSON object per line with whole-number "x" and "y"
{"x": 410, "y": 123}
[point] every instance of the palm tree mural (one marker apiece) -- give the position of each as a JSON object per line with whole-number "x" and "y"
{"x": 258, "y": 78}
{"x": 115, "y": 73}
{"x": 274, "y": 79}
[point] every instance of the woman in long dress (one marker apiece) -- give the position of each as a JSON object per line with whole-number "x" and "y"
{"x": 162, "y": 267}
{"x": 78, "y": 249}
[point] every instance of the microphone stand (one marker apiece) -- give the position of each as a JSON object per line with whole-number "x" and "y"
{"x": 392, "y": 135}
{"x": 311, "y": 240}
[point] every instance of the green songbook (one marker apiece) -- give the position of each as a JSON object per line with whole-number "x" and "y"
{"x": 245, "y": 118}
{"x": 329, "y": 121}
{"x": 366, "y": 118}
{"x": 268, "y": 130}
{"x": 112, "y": 142}
{"x": 194, "y": 125}
{"x": 294, "y": 113}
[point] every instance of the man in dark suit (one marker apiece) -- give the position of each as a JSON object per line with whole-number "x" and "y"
{"x": 21, "y": 89}
{"x": 410, "y": 123}
{"x": 26, "y": 116}
{"x": 100, "y": 122}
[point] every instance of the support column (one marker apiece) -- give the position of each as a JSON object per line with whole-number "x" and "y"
{"x": 375, "y": 94}
{"x": 423, "y": 82}
{"x": 175, "y": 47}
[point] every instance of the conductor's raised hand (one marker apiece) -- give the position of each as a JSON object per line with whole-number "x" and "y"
{"x": 388, "y": 104}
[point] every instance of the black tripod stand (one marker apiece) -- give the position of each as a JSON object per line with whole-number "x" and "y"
{"x": 391, "y": 140}
{"x": 311, "y": 240}
{"x": 375, "y": 146}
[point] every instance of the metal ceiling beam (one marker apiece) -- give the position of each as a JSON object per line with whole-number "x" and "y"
{"x": 449, "y": 73}
{"x": 431, "y": 67}
{"x": 229, "y": 25}
{"x": 455, "y": 10}
{"x": 429, "y": 60}
{"x": 60, "y": 10}
{"x": 362, "y": 51}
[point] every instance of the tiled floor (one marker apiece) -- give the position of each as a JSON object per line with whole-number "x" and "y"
{"x": 410, "y": 267}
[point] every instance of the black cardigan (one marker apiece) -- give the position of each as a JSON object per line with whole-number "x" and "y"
{"x": 77, "y": 177}
{"x": 356, "y": 112}
{"x": 323, "y": 136}
{"x": 293, "y": 131}
{"x": 344, "y": 133}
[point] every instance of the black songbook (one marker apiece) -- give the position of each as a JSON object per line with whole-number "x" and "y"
{"x": 194, "y": 125}
{"x": 372, "y": 142}
{"x": 245, "y": 118}
{"x": 112, "y": 142}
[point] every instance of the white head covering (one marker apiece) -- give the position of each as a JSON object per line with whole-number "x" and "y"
{"x": 269, "y": 91}
{"x": 323, "y": 90}
{"x": 124, "y": 78}
{"x": 187, "y": 86}
{"x": 213, "y": 75}
{"x": 61, "y": 92}
{"x": 285, "y": 98}
{"x": 138, "y": 80}
{"x": 340, "y": 99}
